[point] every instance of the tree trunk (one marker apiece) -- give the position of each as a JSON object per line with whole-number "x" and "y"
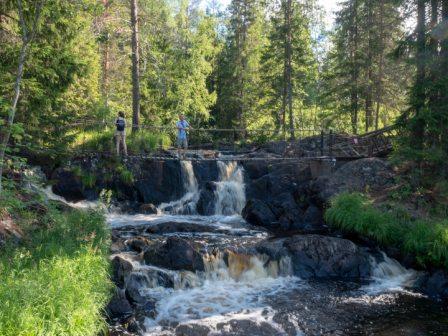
{"x": 289, "y": 68}
{"x": 433, "y": 70}
{"x": 444, "y": 72}
{"x": 287, "y": 103}
{"x": 379, "y": 82}
{"x": 354, "y": 96}
{"x": 27, "y": 37}
{"x": 369, "y": 95}
{"x": 418, "y": 129}
{"x": 105, "y": 65}
{"x": 135, "y": 67}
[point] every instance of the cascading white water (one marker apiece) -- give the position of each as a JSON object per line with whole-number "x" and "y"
{"x": 232, "y": 289}
{"x": 187, "y": 204}
{"x": 389, "y": 275}
{"x": 230, "y": 192}
{"x": 77, "y": 205}
{"x": 230, "y": 195}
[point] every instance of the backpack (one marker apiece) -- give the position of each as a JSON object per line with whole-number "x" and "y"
{"x": 121, "y": 124}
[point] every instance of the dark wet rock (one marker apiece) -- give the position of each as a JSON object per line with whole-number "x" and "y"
{"x": 68, "y": 185}
{"x": 205, "y": 171}
{"x": 242, "y": 327}
{"x": 207, "y": 200}
{"x": 436, "y": 285}
{"x": 315, "y": 256}
{"x": 119, "y": 308}
{"x": 148, "y": 209}
{"x": 159, "y": 181}
{"x": 176, "y": 254}
{"x": 147, "y": 309}
{"x": 134, "y": 326}
{"x": 172, "y": 227}
{"x": 134, "y": 283}
{"x": 121, "y": 268}
{"x": 138, "y": 244}
{"x": 255, "y": 169}
{"x": 257, "y": 212}
{"x": 371, "y": 174}
{"x": 192, "y": 330}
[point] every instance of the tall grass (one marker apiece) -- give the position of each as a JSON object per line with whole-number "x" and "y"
{"x": 56, "y": 282}
{"x": 426, "y": 239}
{"x": 104, "y": 141}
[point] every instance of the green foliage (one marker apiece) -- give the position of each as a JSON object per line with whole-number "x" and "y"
{"x": 56, "y": 282}
{"x": 104, "y": 141}
{"x": 126, "y": 175}
{"x": 147, "y": 142}
{"x": 426, "y": 239}
{"x": 88, "y": 179}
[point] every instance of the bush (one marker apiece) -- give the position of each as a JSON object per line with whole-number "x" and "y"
{"x": 56, "y": 282}
{"x": 426, "y": 239}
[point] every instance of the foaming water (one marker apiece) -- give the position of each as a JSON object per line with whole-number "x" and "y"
{"x": 77, "y": 205}
{"x": 187, "y": 204}
{"x": 233, "y": 291}
{"x": 230, "y": 193}
{"x": 390, "y": 276}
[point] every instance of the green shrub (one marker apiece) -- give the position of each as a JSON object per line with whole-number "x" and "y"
{"x": 88, "y": 179}
{"x": 145, "y": 142}
{"x": 426, "y": 239}
{"x": 126, "y": 176}
{"x": 56, "y": 282}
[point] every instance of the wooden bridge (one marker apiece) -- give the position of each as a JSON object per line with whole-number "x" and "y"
{"x": 231, "y": 145}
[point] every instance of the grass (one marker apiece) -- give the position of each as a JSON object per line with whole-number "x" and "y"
{"x": 103, "y": 141}
{"x": 56, "y": 281}
{"x": 426, "y": 239}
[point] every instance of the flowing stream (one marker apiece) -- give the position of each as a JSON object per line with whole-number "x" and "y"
{"x": 239, "y": 292}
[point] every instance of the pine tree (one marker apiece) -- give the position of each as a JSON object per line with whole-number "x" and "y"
{"x": 289, "y": 65}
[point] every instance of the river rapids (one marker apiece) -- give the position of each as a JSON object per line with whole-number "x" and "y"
{"x": 236, "y": 291}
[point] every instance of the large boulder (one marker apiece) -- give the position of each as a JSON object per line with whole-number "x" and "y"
{"x": 119, "y": 308}
{"x": 436, "y": 285}
{"x": 316, "y": 256}
{"x": 121, "y": 268}
{"x": 257, "y": 212}
{"x": 176, "y": 254}
{"x": 362, "y": 175}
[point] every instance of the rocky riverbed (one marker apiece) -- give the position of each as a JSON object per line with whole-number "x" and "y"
{"x": 221, "y": 248}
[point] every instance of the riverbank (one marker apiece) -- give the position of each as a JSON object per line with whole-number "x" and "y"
{"x": 420, "y": 242}
{"x": 54, "y": 270}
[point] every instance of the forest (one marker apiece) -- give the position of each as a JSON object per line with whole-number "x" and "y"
{"x": 92, "y": 243}
{"x": 266, "y": 65}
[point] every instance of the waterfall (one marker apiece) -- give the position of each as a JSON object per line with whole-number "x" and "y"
{"x": 230, "y": 191}
{"x": 187, "y": 204}
{"x": 230, "y": 195}
{"x": 390, "y": 275}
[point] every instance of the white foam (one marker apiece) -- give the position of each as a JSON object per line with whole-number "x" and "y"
{"x": 230, "y": 193}
{"x": 219, "y": 301}
{"x": 77, "y": 205}
{"x": 390, "y": 276}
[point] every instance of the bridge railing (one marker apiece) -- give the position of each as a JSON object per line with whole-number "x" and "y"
{"x": 98, "y": 137}
{"x": 230, "y": 139}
